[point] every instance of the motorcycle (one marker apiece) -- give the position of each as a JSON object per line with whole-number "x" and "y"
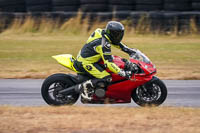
{"x": 143, "y": 87}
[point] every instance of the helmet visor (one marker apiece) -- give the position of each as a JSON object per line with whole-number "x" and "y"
{"x": 116, "y": 36}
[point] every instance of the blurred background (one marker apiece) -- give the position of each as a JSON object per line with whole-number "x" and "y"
{"x": 31, "y": 31}
{"x": 158, "y": 14}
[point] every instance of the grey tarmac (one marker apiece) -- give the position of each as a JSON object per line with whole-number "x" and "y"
{"x": 26, "y": 92}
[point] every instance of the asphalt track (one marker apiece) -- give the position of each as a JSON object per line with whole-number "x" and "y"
{"x": 26, "y": 92}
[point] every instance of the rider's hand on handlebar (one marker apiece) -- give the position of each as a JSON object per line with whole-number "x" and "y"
{"x": 126, "y": 74}
{"x": 132, "y": 52}
{"x": 134, "y": 67}
{"x": 131, "y": 66}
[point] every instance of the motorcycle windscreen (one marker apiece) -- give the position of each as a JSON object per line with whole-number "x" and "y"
{"x": 66, "y": 60}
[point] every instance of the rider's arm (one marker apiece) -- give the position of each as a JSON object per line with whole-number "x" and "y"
{"x": 105, "y": 51}
{"x": 124, "y": 48}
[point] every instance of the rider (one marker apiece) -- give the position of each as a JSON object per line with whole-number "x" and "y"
{"x": 98, "y": 46}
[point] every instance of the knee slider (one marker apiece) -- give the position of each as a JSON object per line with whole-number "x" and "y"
{"x": 104, "y": 82}
{"x": 107, "y": 79}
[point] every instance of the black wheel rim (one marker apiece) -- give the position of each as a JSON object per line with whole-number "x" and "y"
{"x": 149, "y": 95}
{"x": 53, "y": 90}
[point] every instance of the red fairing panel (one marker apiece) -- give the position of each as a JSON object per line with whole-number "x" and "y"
{"x": 118, "y": 61}
{"x": 123, "y": 90}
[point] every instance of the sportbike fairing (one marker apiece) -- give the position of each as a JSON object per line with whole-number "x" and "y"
{"x": 66, "y": 60}
{"x": 140, "y": 56}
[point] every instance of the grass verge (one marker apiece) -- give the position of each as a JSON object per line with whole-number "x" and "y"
{"x": 76, "y": 119}
{"x": 27, "y": 45}
{"x": 29, "y": 55}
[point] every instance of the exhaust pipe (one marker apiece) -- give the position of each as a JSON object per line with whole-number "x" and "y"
{"x": 69, "y": 90}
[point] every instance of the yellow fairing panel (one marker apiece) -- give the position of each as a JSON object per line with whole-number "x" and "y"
{"x": 66, "y": 60}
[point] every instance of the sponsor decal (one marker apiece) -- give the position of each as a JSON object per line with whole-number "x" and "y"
{"x": 107, "y": 45}
{"x": 88, "y": 67}
{"x": 114, "y": 67}
{"x": 93, "y": 34}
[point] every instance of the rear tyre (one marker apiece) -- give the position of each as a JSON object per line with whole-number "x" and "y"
{"x": 93, "y": 2}
{"x": 93, "y": 8}
{"x": 52, "y": 85}
{"x": 141, "y": 7}
{"x": 38, "y": 8}
{"x": 65, "y": 8}
{"x": 37, "y": 2}
{"x": 152, "y": 94}
{"x": 65, "y": 2}
{"x": 121, "y": 2}
{"x": 120, "y": 7}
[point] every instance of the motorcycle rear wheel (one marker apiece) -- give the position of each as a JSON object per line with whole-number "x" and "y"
{"x": 152, "y": 95}
{"x": 55, "y": 83}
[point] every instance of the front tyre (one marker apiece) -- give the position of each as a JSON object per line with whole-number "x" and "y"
{"x": 153, "y": 93}
{"x": 55, "y": 83}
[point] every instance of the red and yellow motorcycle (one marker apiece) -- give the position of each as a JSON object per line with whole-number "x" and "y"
{"x": 143, "y": 87}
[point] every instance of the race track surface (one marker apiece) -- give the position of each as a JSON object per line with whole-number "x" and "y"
{"x": 26, "y": 92}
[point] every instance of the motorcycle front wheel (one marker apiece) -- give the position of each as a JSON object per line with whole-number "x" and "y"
{"x": 153, "y": 94}
{"x": 51, "y": 87}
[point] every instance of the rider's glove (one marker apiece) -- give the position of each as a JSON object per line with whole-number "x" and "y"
{"x": 126, "y": 74}
{"x": 131, "y": 52}
{"x": 134, "y": 67}
{"x": 131, "y": 66}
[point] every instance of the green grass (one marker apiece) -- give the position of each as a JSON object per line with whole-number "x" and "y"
{"x": 26, "y": 47}
{"x": 170, "y": 49}
{"x": 29, "y": 55}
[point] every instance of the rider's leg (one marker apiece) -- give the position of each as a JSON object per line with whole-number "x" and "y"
{"x": 87, "y": 88}
{"x": 102, "y": 79}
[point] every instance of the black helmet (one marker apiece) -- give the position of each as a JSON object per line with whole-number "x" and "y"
{"x": 115, "y": 31}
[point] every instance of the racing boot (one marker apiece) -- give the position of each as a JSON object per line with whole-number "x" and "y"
{"x": 87, "y": 90}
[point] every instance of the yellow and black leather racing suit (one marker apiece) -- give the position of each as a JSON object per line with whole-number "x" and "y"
{"x": 97, "y": 47}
